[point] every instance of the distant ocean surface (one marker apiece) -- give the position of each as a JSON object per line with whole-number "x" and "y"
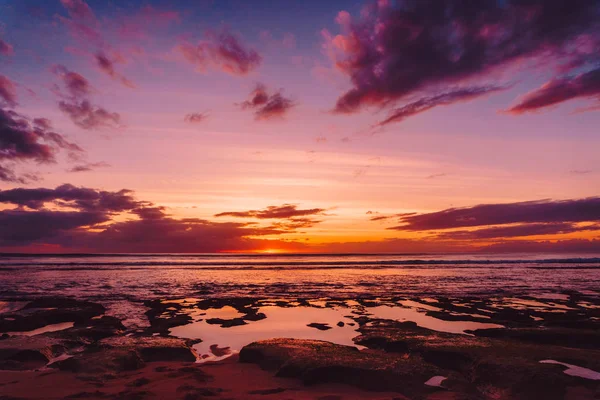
{"x": 138, "y": 277}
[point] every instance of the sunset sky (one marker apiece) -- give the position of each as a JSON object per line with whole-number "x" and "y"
{"x": 309, "y": 126}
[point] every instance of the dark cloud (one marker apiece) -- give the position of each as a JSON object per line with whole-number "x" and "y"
{"x": 80, "y": 198}
{"x": 42, "y": 123}
{"x": 76, "y": 103}
{"x": 88, "y": 207}
{"x": 221, "y": 51}
{"x": 444, "y": 99}
{"x": 375, "y": 216}
{"x": 281, "y": 212}
{"x": 543, "y": 211}
{"x": 20, "y": 141}
{"x": 267, "y": 105}
{"x": 400, "y": 49}
{"x": 533, "y": 229}
{"x": 35, "y": 221}
{"x": 19, "y": 227}
{"x": 108, "y": 67}
{"x": 585, "y": 85}
{"x": 76, "y": 85}
{"x": 292, "y": 224}
{"x": 5, "y": 48}
{"x": 88, "y": 166}
{"x": 88, "y": 116}
{"x": 8, "y": 92}
{"x": 196, "y": 117}
{"x": 570, "y": 246}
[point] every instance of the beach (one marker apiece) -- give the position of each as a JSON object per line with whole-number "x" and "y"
{"x": 339, "y": 338}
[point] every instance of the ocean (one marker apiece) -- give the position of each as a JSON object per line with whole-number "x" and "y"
{"x": 150, "y": 276}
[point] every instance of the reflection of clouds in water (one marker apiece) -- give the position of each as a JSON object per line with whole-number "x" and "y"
{"x": 425, "y": 321}
{"x": 281, "y": 322}
{"x": 291, "y": 322}
{"x": 574, "y": 370}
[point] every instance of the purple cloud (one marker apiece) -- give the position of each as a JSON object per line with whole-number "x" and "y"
{"x": 5, "y": 48}
{"x": 396, "y": 50}
{"x": 584, "y": 85}
{"x": 542, "y": 211}
{"x": 88, "y": 167}
{"x": 88, "y": 116}
{"x": 221, "y": 51}
{"x": 20, "y": 140}
{"x": 195, "y": 118}
{"x": 280, "y": 212}
{"x": 267, "y": 105}
{"x": 78, "y": 9}
{"x": 8, "y": 92}
{"x": 76, "y": 85}
{"x": 533, "y": 229}
{"x": 444, "y": 99}
{"x": 108, "y": 67}
{"x": 32, "y": 223}
{"x": 77, "y": 105}
{"x": 79, "y": 198}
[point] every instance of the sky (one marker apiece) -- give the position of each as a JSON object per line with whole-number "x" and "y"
{"x": 301, "y": 126}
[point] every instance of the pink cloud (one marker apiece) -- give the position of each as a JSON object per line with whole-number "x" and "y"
{"x": 8, "y": 92}
{"x": 222, "y": 51}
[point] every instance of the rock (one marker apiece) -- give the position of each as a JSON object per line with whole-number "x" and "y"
{"x": 576, "y": 338}
{"x": 48, "y": 311}
{"x": 226, "y": 323}
{"x": 25, "y": 353}
{"x": 319, "y": 326}
{"x": 382, "y": 343}
{"x": 153, "y": 349}
{"x": 318, "y": 362}
{"x": 219, "y": 351}
{"x": 256, "y": 316}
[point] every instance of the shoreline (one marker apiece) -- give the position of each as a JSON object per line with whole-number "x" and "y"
{"x": 382, "y": 353}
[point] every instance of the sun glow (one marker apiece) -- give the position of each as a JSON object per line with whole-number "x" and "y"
{"x": 271, "y": 251}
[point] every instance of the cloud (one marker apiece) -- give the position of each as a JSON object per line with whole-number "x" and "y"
{"x": 147, "y": 20}
{"x": 82, "y": 23}
{"x": 542, "y": 211}
{"x": 22, "y": 227}
{"x": 88, "y": 116}
{"x": 5, "y": 48}
{"x": 88, "y": 166}
{"x": 279, "y": 212}
{"x": 107, "y": 66}
{"x": 584, "y": 85}
{"x": 78, "y": 9}
{"x": 76, "y": 85}
{"x": 36, "y": 221}
{"x": 8, "y": 92}
{"x": 78, "y": 198}
{"x": 267, "y": 105}
{"x": 433, "y": 176}
{"x": 533, "y": 229}
{"x": 76, "y": 103}
{"x": 222, "y": 51}
{"x": 20, "y": 141}
{"x": 444, "y": 99}
{"x": 395, "y": 50}
{"x": 196, "y": 117}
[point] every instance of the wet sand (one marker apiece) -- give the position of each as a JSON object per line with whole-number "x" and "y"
{"x": 328, "y": 348}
